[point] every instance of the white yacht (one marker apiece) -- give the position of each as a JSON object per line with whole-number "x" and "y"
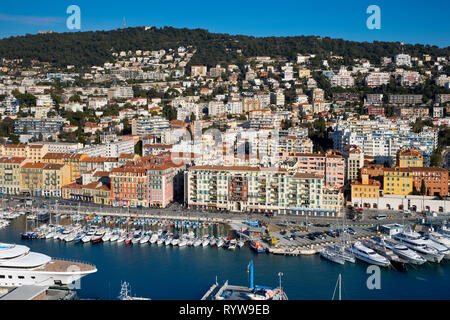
{"x": 115, "y": 236}
{"x": 19, "y": 266}
{"x": 107, "y": 236}
{"x": 220, "y": 242}
{"x": 154, "y": 238}
{"x": 414, "y": 240}
{"x": 205, "y": 242}
{"x": 183, "y": 242}
{"x": 439, "y": 238}
{"x": 439, "y": 247}
{"x": 168, "y": 240}
{"x": 145, "y": 238}
{"x": 175, "y": 241}
{"x": 70, "y": 237}
{"x": 88, "y": 236}
{"x": 365, "y": 254}
{"x": 197, "y": 242}
{"x": 409, "y": 255}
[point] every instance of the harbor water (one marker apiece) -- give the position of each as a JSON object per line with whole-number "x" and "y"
{"x": 173, "y": 273}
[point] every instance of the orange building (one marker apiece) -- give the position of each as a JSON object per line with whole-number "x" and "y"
{"x": 436, "y": 180}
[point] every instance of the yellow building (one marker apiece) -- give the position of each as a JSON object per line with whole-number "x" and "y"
{"x": 304, "y": 73}
{"x": 397, "y": 181}
{"x": 44, "y": 179}
{"x": 93, "y": 192}
{"x": 366, "y": 188}
{"x": 408, "y": 158}
{"x": 10, "y": 174}
{"x": 33, "y": 152}
{"x": 73, "y": 160}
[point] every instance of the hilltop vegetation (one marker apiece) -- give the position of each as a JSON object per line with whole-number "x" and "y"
{"x": 94, "y": 48}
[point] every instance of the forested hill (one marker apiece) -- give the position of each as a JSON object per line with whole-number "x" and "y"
{"x": 94, "y": 48}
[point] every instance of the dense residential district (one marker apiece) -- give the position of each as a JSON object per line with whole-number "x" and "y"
{"x": 270, "y": 136}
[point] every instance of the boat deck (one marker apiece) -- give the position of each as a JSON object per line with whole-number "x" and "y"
{"x": 57, "y": 265}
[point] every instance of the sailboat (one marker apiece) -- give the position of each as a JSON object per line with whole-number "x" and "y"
{"x": 332, "y": 256}
{"x": 340, "y": 249}
{"x": 338, "y": 283}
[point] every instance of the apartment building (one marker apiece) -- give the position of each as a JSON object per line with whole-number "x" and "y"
{"x": 405, "y": 98}
{"x": 409, "y": 157}
{"x": 10, "y": 174}
{"x": 198, "y": 71}
{"x": 364, "y": 189}
{"x": 397, "y": 181}
{"x": 154, "y": 126}
{"x": 376, "y": 79}
{"x": 354, "y": 158}
{"x": 270, "y": 190}
{"x": 44, "y": 179}
{"x": 33, "y": 152}
{"x": 331, "y": 167}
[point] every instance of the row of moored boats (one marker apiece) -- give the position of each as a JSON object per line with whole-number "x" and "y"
{"x": 95, "y": 234}
{"x": 408, "y": 247}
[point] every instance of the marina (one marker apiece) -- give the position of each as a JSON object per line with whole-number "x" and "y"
{"x": 115, "y": 259}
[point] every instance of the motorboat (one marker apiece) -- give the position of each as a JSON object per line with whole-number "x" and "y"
{"x": 114, "y": 236}
{"x": 439, "y": 238}
{"x": 232, "y": 244}
{"x": 24, "y": 267}
{"x": 183, "y": 242}
{"x": 409, "y": 255}
{"x": 168, "y": 240}
{"x": 379, "y": 247}
{"x": 98, "y": 236}
{"x": 88, "y": 236}
{"x": 153, "y": 238}
{"x": 175, "y": 241}
{"x": 256, "y": 246}
{"x": 145, "y": 239}
{"x": 70, "y": 237}
{"x": 136, "y": 238}
{"x": 129, "y": 239}
{"x": 205, "y": 242}
{"x": 107, "y": 236}
{"x": 197, "y": 242}
{"x": 220, "y": 242}
{"x": 122, "y": 237}
{"x": 416, "y": 242}
{"x": 439, "y": 247}
{"x": 366, "y": 254}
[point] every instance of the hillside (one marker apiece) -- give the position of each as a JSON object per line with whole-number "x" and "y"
{"x": 94, "y": 48}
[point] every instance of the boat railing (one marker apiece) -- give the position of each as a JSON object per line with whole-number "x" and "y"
{"x": 75, "y": 260}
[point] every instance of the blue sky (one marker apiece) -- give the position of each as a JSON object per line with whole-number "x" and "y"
{"x": 412, "y": 21}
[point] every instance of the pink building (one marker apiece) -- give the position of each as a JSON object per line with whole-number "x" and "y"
{"x": 331, "y": 166}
